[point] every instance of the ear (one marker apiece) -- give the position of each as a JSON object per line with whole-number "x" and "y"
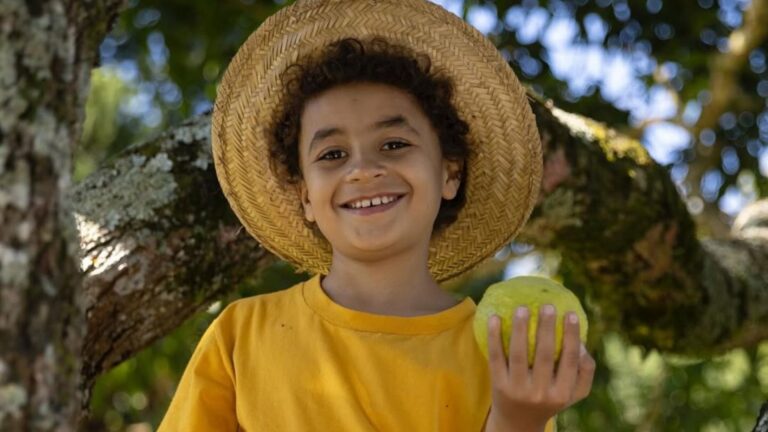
{"x": 305, "y": 204}
{"x": 451, "y": 178}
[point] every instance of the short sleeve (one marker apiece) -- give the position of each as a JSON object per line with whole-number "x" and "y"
{"x": 551, "y": 425}
{"x": 205, "y": 397}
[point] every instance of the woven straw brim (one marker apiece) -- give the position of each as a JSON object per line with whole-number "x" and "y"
{"x": 504, "y": 171}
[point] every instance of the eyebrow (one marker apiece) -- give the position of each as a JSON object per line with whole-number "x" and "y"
{"x": 389, "y": 122}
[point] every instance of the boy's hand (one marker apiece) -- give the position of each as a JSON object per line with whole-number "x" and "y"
{"x": 524, "y": 398}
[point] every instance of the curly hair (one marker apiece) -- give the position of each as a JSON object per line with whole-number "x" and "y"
{"x": 373, "y": 61}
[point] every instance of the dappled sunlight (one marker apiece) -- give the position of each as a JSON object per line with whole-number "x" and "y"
{"x": 96, "y": 260}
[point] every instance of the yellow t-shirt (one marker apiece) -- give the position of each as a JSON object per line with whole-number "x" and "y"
{"x": 294, "y": 360}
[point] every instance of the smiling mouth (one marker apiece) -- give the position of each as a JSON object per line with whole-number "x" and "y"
{"x": 367, "y": 208}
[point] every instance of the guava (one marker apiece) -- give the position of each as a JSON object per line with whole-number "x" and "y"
{"x": 503, "y": 299}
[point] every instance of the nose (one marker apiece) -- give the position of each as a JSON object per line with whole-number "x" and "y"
{"x": 364, "y": 168}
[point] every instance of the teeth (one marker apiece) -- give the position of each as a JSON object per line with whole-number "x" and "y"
{"x": 372, "y": 202}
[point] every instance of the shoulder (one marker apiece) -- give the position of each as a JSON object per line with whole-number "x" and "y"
{"x": 252, "y": 310}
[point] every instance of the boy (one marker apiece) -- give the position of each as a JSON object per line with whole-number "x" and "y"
{"x": 384, "y": 146}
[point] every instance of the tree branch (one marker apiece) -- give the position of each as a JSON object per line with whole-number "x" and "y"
{"x": 159, "y": 243}
{"x": 630, "y": 246}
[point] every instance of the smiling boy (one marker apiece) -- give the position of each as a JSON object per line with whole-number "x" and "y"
{"x": 360, "y": 142}
{"x": 383, "y": 146}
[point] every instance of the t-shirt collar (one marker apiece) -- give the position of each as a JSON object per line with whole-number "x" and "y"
{"x": 318, "y": 300}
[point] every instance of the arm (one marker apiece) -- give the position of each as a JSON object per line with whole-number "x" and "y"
{"x": 205, "y": 397}
{"x": 525, "y": 399}
{"x": 487, "y": 427}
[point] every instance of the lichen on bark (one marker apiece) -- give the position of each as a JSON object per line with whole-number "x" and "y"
{"x": 139, "y": 186}
{"x": 628, "y": 245}
{"x": 156, "y": 254}
{"x": 635, "y": 256}
{"x": 44, "y": 70}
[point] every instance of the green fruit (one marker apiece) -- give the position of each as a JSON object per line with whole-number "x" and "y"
{"x": 503, "y": 299}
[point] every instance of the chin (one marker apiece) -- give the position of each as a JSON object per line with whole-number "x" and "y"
{"x": 368, "y": 248}
{"x": 372, "y": 247}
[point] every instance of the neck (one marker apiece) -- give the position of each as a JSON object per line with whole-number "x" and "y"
{"x": 400, "y": 284}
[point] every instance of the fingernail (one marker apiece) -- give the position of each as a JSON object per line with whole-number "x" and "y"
{"x": 548, "y": 309}
{"x": 495, "y": 321}
{"x": 573, "y": 318}
{"x": 582, "y": 350}
{"x": 521, "y": 312}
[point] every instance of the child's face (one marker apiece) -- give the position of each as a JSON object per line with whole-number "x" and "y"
{"x": 368, "y": 140}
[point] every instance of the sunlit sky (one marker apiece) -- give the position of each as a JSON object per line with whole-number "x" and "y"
{"x": 617, "y": 74}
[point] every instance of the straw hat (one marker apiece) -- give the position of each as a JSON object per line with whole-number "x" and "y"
{"x": 504, "y": 170}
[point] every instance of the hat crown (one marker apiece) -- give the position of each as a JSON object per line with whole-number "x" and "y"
{"x": 504, "y": 170}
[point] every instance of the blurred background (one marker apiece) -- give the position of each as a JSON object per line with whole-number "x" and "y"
{"x": 688, "y": 78}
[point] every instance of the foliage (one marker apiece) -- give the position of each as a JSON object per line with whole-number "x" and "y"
{"x": 642, "y": 66}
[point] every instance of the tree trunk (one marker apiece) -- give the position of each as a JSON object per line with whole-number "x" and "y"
{"x": 47, "y": 51}
{"x": 628, "y": 244}
{"x": 159, "y": 241}
{"x": 762, "y": 420}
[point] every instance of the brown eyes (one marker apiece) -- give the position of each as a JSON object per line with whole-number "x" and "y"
{"x": 333, "y": 154}
{"x": 338, "y": 154}
{"x": 396, "y": 144}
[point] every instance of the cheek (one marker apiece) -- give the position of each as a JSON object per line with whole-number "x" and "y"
{"x": 319, "y": 189}
{"x": 427, "y": 186}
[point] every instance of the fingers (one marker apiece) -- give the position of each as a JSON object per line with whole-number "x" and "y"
{"x": 497, "y": 363}
{"x": 585, "y": 376}
{"x": 543, "y": 366}
{"x": 575, "y": 371}
{"x": 568, "y": 365}
{"x": 518, "y": 347}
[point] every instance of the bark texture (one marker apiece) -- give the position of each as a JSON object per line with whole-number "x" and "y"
{"x": 628, "y": 243}
{"x": 630, "y": 247}
{"x": 159, "y": 244}
{"x": 47, "y": 51}
{"x": 762, "y": 420}
{"x": 159, "y": 241}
